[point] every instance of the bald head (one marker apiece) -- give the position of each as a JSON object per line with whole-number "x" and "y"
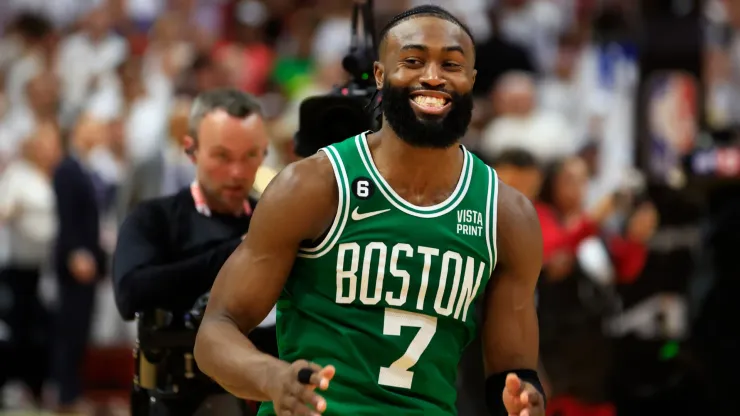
{"x": 44, "y": 147}
{"x": 89, "y": 132}
{"x": 42, "y": 92}
{"x": 515, "y": 94}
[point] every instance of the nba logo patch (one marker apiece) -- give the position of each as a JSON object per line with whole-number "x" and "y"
{"x": 672, "y": 120}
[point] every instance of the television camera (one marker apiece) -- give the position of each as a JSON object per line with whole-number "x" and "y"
{"x": 349, "y": 109}
{"x": 165, "y": 368}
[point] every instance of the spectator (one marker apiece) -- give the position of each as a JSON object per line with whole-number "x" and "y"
{"x": 519, "y": 123}
{"x": 80, "y": 262}
{"x": 27, "y": 207}
{"x": 248, "y": 58}
{"x": 144, "y": 113}
{"x": 563, "y": 91}
{"x": 85, "y": 56}
{"x": 519, "y": 169}
{"x": 39, "y": 47}
{"x": 172, "y": 167}
{"x": 42, "y": 98}
{"x": 535, "y": 25}
{"x": 496, "y": 56}
{"x": 573, "y": 349}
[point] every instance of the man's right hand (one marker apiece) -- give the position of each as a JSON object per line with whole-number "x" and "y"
{"x": 291, "y": 397}
{"x": 82, "y": 266}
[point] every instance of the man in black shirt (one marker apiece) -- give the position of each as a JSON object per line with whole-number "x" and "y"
{"x": 170, "y": 249}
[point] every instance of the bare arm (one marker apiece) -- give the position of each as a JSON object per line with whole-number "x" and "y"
{"x": 298, "y": 205}
{"x": 510, "y": 331}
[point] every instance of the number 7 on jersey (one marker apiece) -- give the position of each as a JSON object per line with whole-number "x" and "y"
{"x": 398, "y": 374}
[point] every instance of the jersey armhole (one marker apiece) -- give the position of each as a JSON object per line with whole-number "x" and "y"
{"x": 494, "y": 218}
{"x": 324, "y": 244}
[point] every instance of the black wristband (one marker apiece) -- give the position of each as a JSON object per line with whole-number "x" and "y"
{"x": 496, "y": 383}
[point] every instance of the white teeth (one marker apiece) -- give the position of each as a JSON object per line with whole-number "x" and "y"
{"x": 429, "y": 101}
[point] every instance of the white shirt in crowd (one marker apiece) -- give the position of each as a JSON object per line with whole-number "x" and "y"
{"x": 28, "y": 209}
{"x": 16, "y": 126}
{"x": 546, "y": 135}
{"x": 81, "y": 62}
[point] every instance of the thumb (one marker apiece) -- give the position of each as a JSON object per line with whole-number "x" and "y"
{"x": 513, "y": 384}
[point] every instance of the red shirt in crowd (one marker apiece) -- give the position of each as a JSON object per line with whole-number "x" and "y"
{"x": 627, "y": 256}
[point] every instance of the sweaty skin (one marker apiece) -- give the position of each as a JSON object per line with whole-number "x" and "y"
{"x": 300, "y": 204}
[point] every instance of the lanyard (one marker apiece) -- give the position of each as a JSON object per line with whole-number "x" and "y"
{"x": 200, "y": 201}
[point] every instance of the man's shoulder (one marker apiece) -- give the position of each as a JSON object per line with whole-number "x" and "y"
{"x": 179, "y": 199}
{"x": 68, "y": 166}
{"x": 513, "y": 207}
{"x": 164, "y": 208}
{"x": 314, "y": 173}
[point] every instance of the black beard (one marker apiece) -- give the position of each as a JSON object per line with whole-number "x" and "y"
{"x": 430, "y": 131}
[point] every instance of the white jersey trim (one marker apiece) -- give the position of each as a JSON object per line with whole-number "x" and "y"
{"x": 466, "y": 177}
{"x": 494, "y": 219}
{"x": 340, "y": 219}
{"x": 489, "y": 220}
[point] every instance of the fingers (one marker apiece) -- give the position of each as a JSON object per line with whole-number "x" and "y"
{"x": 520, "y": 397}
{"x": 322, "y": 376}
{"x": 530, "y": 396}
{"x": 511, "y": 393}
{"x": 301, "y": 398}
{"x": 513, "y": 384}
{"x": 293, "y": 408}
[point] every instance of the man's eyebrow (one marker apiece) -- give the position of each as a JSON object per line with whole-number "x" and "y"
{"x": 424, "y": 48}
{"x": 454, "y": 48}
{"x": 414, "y": 46}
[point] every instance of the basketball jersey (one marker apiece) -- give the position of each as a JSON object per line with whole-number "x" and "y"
{"x": 388, "y": 296}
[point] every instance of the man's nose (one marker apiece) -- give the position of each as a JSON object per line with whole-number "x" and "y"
{"x": 238, "y": 170}
{"x": 432, "y": 78}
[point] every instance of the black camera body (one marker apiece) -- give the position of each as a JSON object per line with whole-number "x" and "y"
{"x": 349, "y": 109}
{"x": 164, "y": 364}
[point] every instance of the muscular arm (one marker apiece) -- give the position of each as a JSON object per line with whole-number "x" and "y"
{"x": 298, "y": 205}
{"x": 510, "y": 331}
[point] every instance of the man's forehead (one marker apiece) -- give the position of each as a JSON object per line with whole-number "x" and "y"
{"x": 222, "y": 118}
{"x": 428, "y": 31}
{"x": 222, "y": 125}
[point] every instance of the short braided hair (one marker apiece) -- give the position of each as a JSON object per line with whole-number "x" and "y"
{"x": 419, "y": 11}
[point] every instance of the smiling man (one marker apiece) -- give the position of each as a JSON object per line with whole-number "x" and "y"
{"x": 377, "y": 250}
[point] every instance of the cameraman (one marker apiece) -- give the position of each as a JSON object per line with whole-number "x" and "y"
{"x": 170, "y": 249}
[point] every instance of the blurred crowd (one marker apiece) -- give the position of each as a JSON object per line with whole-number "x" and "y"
{"x": 110, "y": 82}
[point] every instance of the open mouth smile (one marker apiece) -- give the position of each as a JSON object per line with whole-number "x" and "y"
{"x": 431, "y": 102}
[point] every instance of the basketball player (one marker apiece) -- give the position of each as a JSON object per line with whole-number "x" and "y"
{"x": 377, "y": 250}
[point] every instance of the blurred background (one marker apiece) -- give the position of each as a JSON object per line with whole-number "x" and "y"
{"x": 618, "y": 118}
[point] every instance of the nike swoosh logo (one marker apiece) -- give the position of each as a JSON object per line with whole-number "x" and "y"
{"x": 359, "y": 217}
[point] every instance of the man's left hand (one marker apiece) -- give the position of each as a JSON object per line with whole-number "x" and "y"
{"x": 522, "y": 398}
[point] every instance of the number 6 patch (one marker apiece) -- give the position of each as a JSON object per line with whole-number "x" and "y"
{"x": 363, "y": 188}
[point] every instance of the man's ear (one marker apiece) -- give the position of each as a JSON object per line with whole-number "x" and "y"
{"x": 379, "y": 73}
{"x": 190, "y": 146}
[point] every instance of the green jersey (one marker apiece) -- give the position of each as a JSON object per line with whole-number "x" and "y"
{"x": 388, "y": 296}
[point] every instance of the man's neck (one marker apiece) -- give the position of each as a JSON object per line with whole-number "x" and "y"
{"x": 95, "y": 38}
{"x": 46, "y": 171}
{"x": 217, "y": 207}
{"x": 81, "y": 152}
{"x": 416, "y": 168}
